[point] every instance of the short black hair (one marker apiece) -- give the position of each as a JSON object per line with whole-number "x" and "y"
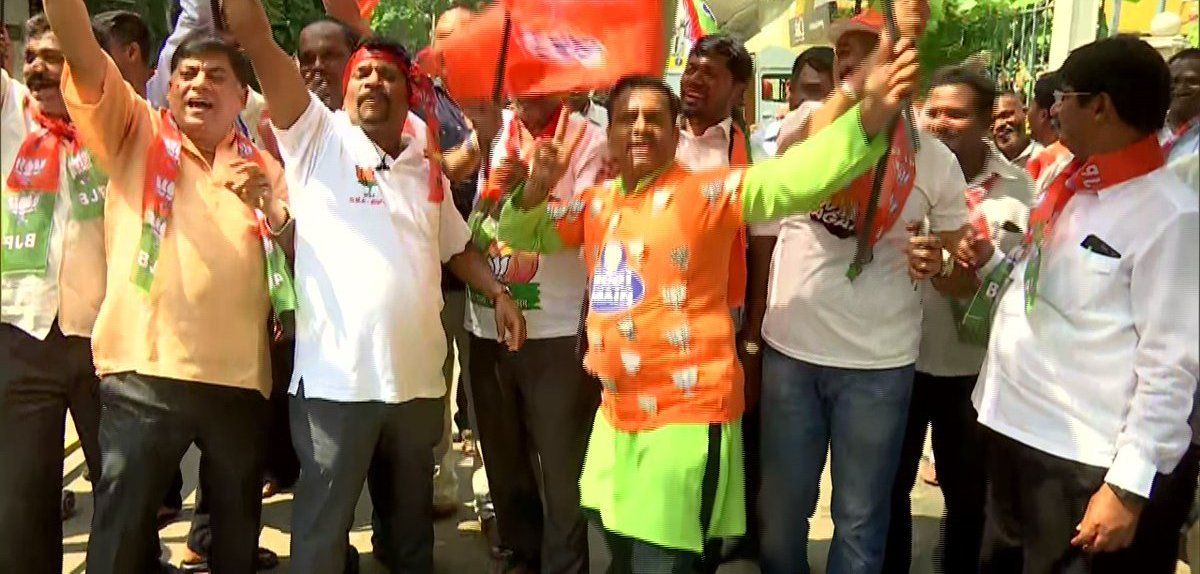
{"x": 819, "y": 58}
{"x": 207, "y": 43}
{"x": 630, "y": 83}
{"x": 737, "y": 59}
{"x": 349, "y": 34}
{"x": 1044, "y": 88}
{"x": 1185, "y": 54}
{"x": 960, "y": 75}
{"x": 1132, "y": 73}
{"x": 124, "y": 27}
{"x": 36, "y": 26}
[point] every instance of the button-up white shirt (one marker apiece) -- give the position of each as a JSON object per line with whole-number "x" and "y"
{"x": 1104, "y": 368}
{"x": 942, "y": 354}
{"x": 709, "y": 150}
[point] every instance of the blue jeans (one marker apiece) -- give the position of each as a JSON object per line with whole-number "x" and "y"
{"x": 860, "y": 417}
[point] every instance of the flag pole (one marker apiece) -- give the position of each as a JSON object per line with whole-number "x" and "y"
{"x": 863, "y": 251}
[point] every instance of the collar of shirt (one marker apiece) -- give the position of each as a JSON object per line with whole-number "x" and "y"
{"x": 645, "y": 182}
{"x": 720, "y": 129}
{"x": 1027, "y": 152}
{"x": 995, "y": 165}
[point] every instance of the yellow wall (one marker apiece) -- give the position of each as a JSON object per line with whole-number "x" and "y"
{"x": 1136, "y": 16}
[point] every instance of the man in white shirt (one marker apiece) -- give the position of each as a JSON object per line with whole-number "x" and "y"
{"x": 536, "y": 404}
{"x": 839, "y": 362}
{"x": 958, "y": 111}
{"x": 52, "y": 262}
{"x": 1092, "y": 363}
{"x": 374, "y": 220}
{"x": 1181, "y": 137}
{"x": 1009, "y": 129}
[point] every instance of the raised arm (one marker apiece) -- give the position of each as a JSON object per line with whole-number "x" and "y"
{"x": 194, "y": 16}
{"x": 346, "y": 11}
{"x": 282, "y": 85}
{"x": 814, "y": 170}
{"x": 71, "y": 24}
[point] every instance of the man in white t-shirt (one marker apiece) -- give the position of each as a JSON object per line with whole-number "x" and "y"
{"x": 1092, "y": 362}
{"x": 373, "y": 225}
{"x": 958, "y": 111}
{"x": 536, "y": 404}
{"x": 839, "y": 362}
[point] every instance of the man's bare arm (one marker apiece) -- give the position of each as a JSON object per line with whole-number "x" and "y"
{"x": 284, "y": 89}
{"x": 462, "y": 162}
{"x": 71, "y": 24}
{"x": 346, "y": 12}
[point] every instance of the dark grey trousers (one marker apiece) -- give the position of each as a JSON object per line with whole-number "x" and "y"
{"x": 535, "y": 409}
{"x": 39, "y": 381}
{"x": 337, "y": 443}
{"x": 147, "y": 425}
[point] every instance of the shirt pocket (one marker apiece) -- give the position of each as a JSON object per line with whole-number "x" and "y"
{"x": 1091, "y": 279}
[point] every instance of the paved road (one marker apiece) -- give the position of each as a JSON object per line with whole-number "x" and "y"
{"x": 455, "y": 552}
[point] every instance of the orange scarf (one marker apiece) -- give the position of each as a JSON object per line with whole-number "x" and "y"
{"x": 38, "y": 160}
{"x": 975, "y": 196}
{"x": 1090, "y": 176}
{"x": 158, "y": 197}
{"x": 842, "y": 213}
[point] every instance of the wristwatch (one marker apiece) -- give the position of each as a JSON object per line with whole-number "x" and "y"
{"x": 947, "y": 264}
{"x": 752, "y": 348}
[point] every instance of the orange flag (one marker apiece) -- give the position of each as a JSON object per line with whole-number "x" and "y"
{"x": 367, "y": 7}
{"x": 553, "y": 46}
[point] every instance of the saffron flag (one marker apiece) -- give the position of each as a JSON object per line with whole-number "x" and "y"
{"x": 693, "y": 20}
{"x": 367, "y": 7}
{"x": 552, "y": 46}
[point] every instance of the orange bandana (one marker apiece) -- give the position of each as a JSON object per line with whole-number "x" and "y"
{"x": 37, "y": 164}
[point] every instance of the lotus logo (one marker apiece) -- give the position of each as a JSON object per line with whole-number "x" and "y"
{"x": 172, "y": 146}
{"x": 23, "y": 204}
{"x": 563, "y": 48}
{"x": 27, "y": 169}
{"x": 165, "y": 188}
{"x": 80, "y": 162}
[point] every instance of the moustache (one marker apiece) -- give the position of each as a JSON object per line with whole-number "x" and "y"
{"x": 377, "y": 94}
{"x": 40, "y": 80}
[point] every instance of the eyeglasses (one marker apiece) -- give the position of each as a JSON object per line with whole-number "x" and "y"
{"x": 1059, "y": 95}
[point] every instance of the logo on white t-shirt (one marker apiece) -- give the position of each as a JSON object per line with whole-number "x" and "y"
{"x": 369, "y": 194}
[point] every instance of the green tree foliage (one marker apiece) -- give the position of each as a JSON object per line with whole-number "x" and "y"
{"x": 410, "y": 21}
{"x": 288, "y": 17}
{"x": 1010, "y": 38}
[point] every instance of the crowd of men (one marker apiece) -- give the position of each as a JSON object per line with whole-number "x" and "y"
{"x": 666, "y": 320}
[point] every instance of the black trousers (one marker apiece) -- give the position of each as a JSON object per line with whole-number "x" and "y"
{"x": 1034, "y": 501}
{"x": 944, "y": 402}
{"x": 535, "y": 409}
{"x": 632, "y": 556}
{"x": 148, "y": 424}
{"x": 39, "y": 382}
{"x": 280, "y": 463}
